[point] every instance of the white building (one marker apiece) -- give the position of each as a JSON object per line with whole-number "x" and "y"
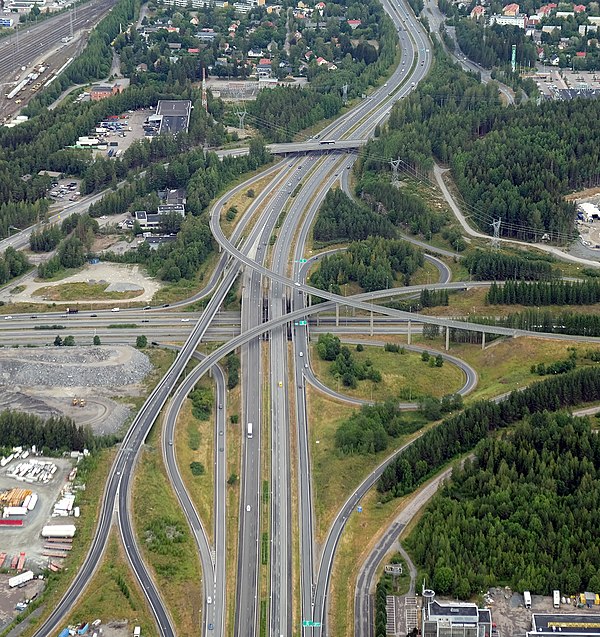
{"x": 509, "y": 20}
{"x": 454, "y": 619}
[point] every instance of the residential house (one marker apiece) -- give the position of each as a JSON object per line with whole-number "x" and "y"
{"x": 478, "y": 12}
{"x": 353, "y": 24}
{"x": 511, "y": 9}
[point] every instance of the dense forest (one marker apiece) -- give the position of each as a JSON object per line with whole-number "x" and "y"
{"x": 492, "y": 46}
{"x": 375, "y": 264}
{"x": 342, "y": 219}
{"x": 515, "y": 164}
{"x": 459, "y": 434}
{"x": 12, "y": 264}
{"x": 55, "y": 434}
{"x": 489, "y": 266}
{"x": 401, "y": 208}
{"x": 524, "y": 513}
{"x": 544, "y": 293}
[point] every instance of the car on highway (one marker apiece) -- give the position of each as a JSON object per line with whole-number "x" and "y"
{"x": 220, "y": 406}
{"x": 145, "y": 321}
{"x": 297, "y": 283}
{"x": 301, "y": 354}
{"x": 185, "y": 320}
{"x": 209, "y": 600}
{"x": 148, "y": 307}
{"x": 170, "y": 443}
{"x": 211, "y": 627}
{"x": 247, "y": 507}
{"x": 33, "y": 317}
{"x": 221, "y": 432}
{"x": 280, "y": 384}
{"x": 116, "y": 309}
{"x": 7, "y": 317}
{"x": 93, "y": 316}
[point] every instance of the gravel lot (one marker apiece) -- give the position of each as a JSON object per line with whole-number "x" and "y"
{"x": 45, "y": 382}
{"x": 73, "y": 366}
{"x": 513, "y": 619}
{"x": 11, "y": 596}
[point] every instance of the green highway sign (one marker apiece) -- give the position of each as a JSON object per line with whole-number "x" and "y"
{"x": 306, "y": 623}
{"x": 301, "y": 261}
{"x": 301, "y": 322}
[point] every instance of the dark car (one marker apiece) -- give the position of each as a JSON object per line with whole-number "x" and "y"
{"x": 93, "y": 316}
{"x": 166, "y": 305}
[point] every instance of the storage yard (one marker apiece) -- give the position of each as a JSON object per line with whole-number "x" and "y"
{"x": 46, "y": 500}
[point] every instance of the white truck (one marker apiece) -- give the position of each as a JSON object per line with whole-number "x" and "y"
{"x": 249, "y": 430}
{"x": 527, "y": 599}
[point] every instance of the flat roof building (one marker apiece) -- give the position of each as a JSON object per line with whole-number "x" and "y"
{"x": 454, "y": 619}
{"x": 568, "y": 625}
{"x": 175, "y": 115}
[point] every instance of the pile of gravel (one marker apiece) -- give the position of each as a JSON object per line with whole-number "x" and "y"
{"x": 73, "y": 367}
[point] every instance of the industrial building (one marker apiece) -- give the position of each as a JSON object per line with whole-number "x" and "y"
{"x": 567, "y": 625}
{"x": 588, "y": 211}
{"x": 454, "y": 619}
{"x": 150, "y": 220}
{"x": 174, "y": 115}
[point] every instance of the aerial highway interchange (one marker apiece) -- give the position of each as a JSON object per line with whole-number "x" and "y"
{"x": 274, "y": 298}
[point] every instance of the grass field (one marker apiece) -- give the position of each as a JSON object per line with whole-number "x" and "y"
{"x": 473, "y": 302}
{"x": 114, "y": 594}
{"x": 402, "y": 374}
{"x": 82, "y": 291}
{"x": 194, "y": 442}
{"x": 334, "y": 475}
{"x": 165, "y": 540}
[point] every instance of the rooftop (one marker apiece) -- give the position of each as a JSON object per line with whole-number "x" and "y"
{"x": 567, "y": 624}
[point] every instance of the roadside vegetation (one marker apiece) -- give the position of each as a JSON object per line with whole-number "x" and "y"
{"x": 114, "y": 593}
{"x": 165, "y": 540}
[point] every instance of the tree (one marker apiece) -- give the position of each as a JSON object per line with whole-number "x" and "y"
{"x": 97, "y": 340}
{"x": 58, "y": 341}
{"x": 69, "y": 341}
{"x": 197, "y": 468}
{"x": 141, "y": 341}
{"x": 443, "y": 579}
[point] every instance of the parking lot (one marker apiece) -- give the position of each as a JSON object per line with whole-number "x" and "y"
{"x": 9, "y": 597}
{"x": 119, "y": 139}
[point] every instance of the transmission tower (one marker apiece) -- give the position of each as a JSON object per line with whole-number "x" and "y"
{"x": 395, "y": 164}
{"x": 345, "y": 94}
{"x": 241, "y": 115}
{"x": 496, "y": 238}
{"x": 204, "y": 96}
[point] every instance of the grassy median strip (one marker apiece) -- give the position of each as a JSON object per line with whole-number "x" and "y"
{"x": 235, "y": 431}
{"x": 194, "y": 445}
{"x": 114, "y": 593}
{"x": 165, "y": 540}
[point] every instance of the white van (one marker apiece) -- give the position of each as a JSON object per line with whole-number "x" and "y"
{"x": 556, "y": 599}
{"x": 249, "y": 430}
{"x": 527, "y": 598}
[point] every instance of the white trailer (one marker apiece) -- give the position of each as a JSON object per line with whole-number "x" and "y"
{"x": 527, "y": 599}
{"x": 556, "y": 599}
{"x": 10, "y": 511}
{"x": 58, "y": 530}
{"x": 249, "y": 430}
{"x": 33, "y": 501}
{"x": 21, "y": 578}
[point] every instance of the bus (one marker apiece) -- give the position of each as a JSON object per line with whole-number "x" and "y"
{"x": 327, "y": 141}
{"x": 249, "y": 430}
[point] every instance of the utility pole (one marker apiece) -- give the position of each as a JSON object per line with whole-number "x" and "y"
{"x": 496, "y": 238}
{"x": 345, "y": 94}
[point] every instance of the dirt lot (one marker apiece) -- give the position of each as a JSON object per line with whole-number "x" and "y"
{"x": 27, "y": 538}
{"x": 11, "y": 596}
{"x": 31, "y": 382}
{"x": 125, "y": 276}
{"x": 513, "y": 619}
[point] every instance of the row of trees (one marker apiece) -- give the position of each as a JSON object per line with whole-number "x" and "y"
{"x": 524, "y": 513}
{"x": 544, "y": 293}
{"x": 374, "y": 264}
{"x": 344, "y": 365}
{"x": 459, "y": 434}
{"x": 537, "y": 320}
{"x": 488, "y": 266}
{"x": 54, "y": 434}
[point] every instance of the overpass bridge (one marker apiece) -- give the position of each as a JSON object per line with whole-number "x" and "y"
{"x": 295, "y": 148}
